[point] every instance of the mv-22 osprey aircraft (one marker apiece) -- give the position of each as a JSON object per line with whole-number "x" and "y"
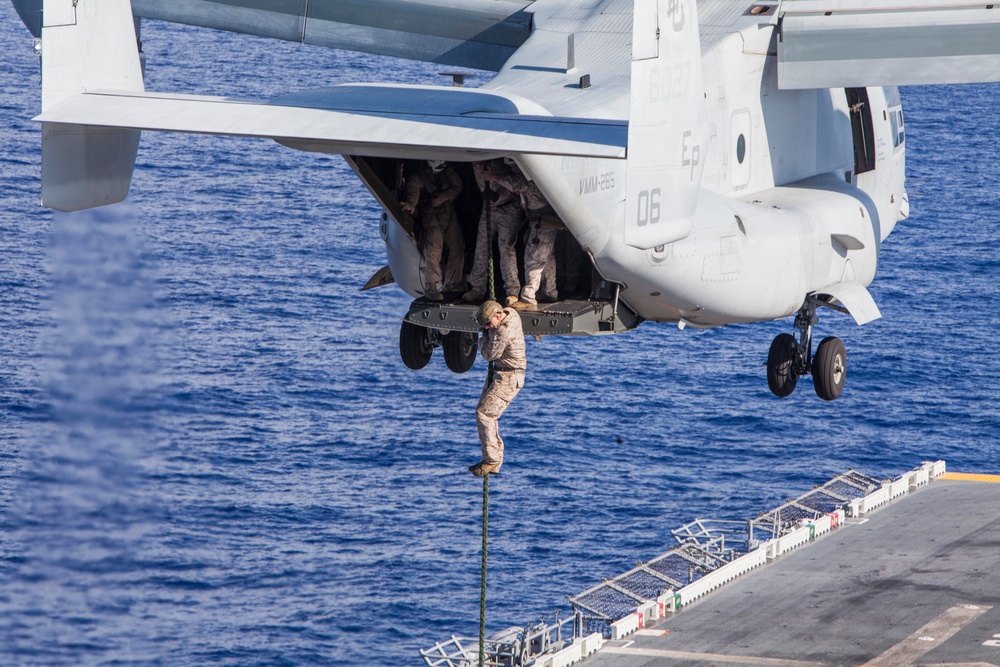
{"x": 714, "y": 162}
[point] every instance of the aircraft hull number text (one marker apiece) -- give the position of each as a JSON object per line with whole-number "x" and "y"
{"x": 597, "y": 183}
{"x": 669, "y": 82}
{"x": 648, "y": 209}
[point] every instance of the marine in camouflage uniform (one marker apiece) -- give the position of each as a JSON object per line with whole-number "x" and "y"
{"x": 503, "y": 344}
{"x": 540, "y": 259}
{"x": 506, "y": 216}
{"x": 432, "y": 189}
{"x": 539, "y": 252}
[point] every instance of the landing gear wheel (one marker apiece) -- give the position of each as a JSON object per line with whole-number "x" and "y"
{"x": 781, "y": 371}
{"x": 829, "y": 368}
{"x": 414, "y": 345}
{"x": 460, "y": 348}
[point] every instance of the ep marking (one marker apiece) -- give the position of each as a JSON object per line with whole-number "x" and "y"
{"x": 695, "y": 151}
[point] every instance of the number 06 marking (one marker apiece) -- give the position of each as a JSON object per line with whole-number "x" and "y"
{"x": 648, "y": 210}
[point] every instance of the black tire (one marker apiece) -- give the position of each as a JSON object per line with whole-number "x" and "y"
{"x": 460, "y": 348}
{"x": 414, "y": 347}
{"x": 781, "y": 372}
{"x": 829, "y": 368}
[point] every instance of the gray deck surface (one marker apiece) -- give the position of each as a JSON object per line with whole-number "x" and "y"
{"x": 917, "y": 582}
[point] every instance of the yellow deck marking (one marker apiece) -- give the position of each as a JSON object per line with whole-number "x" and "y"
{"x": 932, "y": 635}
{"x": 709, "y": 657}
{"x": 971, "y": 477}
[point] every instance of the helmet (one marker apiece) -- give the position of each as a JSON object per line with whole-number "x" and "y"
{"x": 436, "y": 165}
{"x": 487, "y": 311}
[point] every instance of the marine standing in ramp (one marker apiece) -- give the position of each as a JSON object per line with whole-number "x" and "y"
{"x": 543, "y": 227}
{"x": 504, "y": 211}
{"x": 432, "y": 189}
{"x": 502, "y": 344}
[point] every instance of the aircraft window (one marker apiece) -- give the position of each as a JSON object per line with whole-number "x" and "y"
{"x": 896, "y": 125}
{"x": 891, "y": 96}
{"x": 895, "y": 114}
{"x": 741, "y": 149}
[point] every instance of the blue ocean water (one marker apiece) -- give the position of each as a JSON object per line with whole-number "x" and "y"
{"x": 210, "y": 453}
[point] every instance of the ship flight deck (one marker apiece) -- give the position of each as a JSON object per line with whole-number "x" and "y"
{"x": 905, "y": 573}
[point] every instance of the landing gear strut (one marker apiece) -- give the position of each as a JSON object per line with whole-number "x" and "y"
{"x": 788, "y": 359}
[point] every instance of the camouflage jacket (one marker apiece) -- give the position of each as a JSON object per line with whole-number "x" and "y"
{"x": 504, "y": 345}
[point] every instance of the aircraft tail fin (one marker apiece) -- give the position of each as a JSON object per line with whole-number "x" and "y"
{"x": 87, "y": 45}
{"x": 667, "y": 134}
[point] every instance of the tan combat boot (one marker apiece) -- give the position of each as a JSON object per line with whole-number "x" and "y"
{"x": 432, "y": 293}
{"x": 485, "y": 468}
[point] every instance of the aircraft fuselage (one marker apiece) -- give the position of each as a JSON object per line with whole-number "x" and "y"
{"x": 797, "y": 192}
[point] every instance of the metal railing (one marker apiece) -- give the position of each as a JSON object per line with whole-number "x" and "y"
{"x": 702, "y": 546}
{"x": 705, "y": 545}
{"x": 514, "y": 647}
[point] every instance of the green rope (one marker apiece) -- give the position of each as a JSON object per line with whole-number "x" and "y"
{"x": 482, "y": 587}
{"x": 491, "y": 292}
{"x": 490, "y": 289}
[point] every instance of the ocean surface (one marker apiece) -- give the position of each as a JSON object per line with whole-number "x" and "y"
{"x": 210, "y": 453}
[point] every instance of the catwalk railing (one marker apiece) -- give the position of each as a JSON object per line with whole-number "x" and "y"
{"x": 707, "y": 554}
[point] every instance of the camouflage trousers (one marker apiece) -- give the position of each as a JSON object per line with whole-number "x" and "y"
{"x": 440, "y": 231}
{"x": 506, "y": 220}
{"x": 539, "y": 261}
{"x": 495, "y": 398}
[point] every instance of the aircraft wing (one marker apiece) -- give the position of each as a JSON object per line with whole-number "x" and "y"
{"x": 94, "y": 107}
{"x": 481, "y": 34}
{"x": 367, "y": 120}
{"x": 858, "y": 43}
{"x": 360, "y": 119}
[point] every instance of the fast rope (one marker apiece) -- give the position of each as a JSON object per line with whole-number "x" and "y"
{"x": 482, "y": 586}
{"x": 490, "y": 287}
{"x": 491, "y": 295}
